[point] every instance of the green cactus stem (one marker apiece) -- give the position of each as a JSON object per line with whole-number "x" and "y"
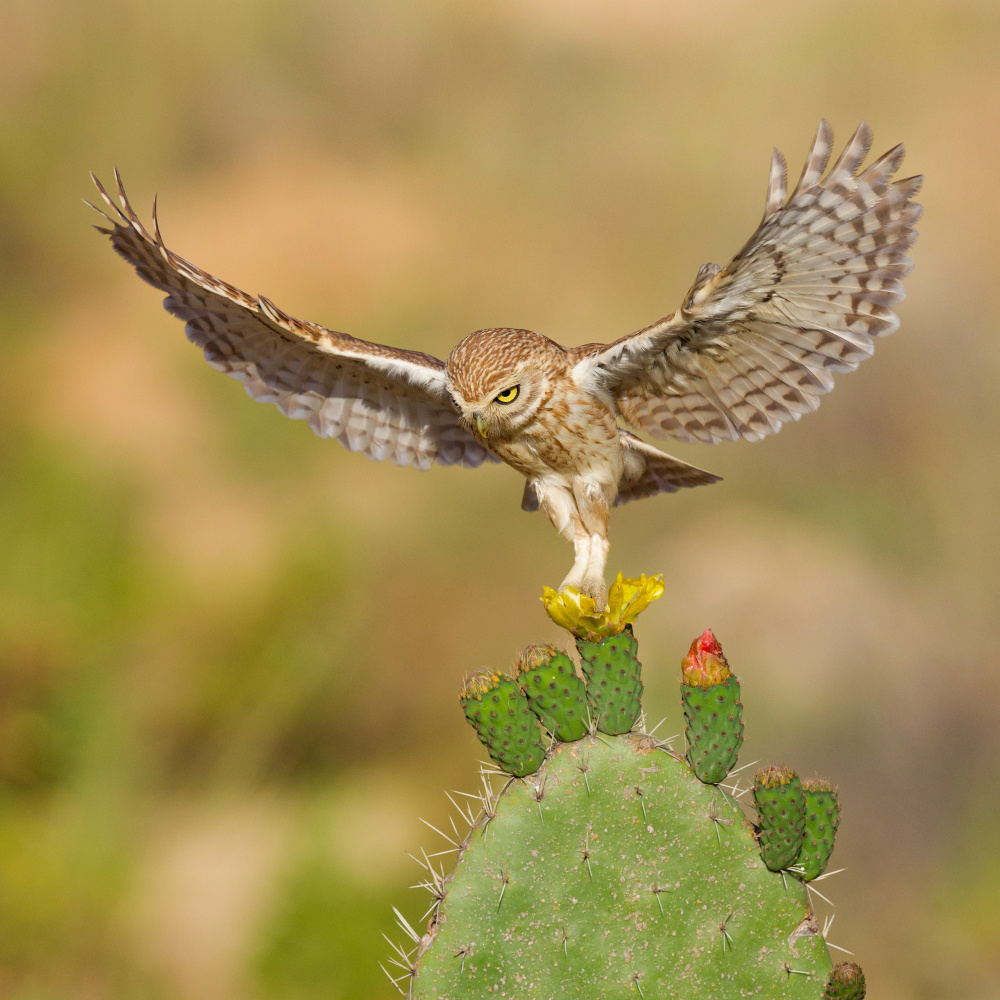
{"x": 846, "y": 982}
{"x": 614, "y": 687}
{"x": 615, "y": 873}
{"x": 555, "y": 694}
{"x": 822, "y": 820}
{"x": 713, "y": 711}
{"x": 781, "y": 815}
{"x": 499, "y": 711}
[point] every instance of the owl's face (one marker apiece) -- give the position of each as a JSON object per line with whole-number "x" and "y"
{"x": 500, "y": 379}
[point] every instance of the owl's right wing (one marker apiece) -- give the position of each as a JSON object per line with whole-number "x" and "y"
{"x": 756, "y": 343}
{"x": 387, "y": 403}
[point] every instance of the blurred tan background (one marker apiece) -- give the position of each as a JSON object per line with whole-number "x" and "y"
{"x": 229, "y": 651}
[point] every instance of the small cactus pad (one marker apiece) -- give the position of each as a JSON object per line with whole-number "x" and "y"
{"x": 712, "y": 710}
{"x": 556, "y": 695}
{"x": 781, "y": 814}
{"x": 614, "y": 687}
{"x": 504, "y": 723}
{"x": 612, "y": 874}
{"x": 822, "y": 820}
{"x": 846, "y": 982}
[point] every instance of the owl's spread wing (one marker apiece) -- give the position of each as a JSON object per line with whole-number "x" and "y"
{"x": 387, "y": 403}
{"x": 756, "y": 343}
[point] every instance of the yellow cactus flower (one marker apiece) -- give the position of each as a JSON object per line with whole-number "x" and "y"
{"x": 627, "y": 599}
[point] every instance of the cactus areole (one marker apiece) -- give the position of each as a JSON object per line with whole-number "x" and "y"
{"x": 605, "y": 864}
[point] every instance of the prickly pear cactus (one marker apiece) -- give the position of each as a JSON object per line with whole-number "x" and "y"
{"x": 558, "y": 697}
{"x": 614, "y": 867}
{"x": 781, "y": 812}
{"x": 498, "y": 708}
{"x": 822, "y": 821}
{"x": 711, "y": 696}
{"x": 614, "y": 686}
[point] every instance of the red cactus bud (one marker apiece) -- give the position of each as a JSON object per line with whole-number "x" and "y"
{"x": 704, "y": 664}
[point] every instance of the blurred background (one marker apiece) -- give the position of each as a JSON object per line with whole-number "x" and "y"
{"x": 229, "y": 651}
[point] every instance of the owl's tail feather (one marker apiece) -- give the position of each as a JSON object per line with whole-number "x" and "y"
{"x": 649, "y": 471}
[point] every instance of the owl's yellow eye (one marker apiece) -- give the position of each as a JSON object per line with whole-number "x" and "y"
{"x": 508, "y": 395}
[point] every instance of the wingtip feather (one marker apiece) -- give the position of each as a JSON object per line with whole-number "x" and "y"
{"x": 777, "y": 185}
{"x": 817, "y": 158}
{"x": 855, "y": 151}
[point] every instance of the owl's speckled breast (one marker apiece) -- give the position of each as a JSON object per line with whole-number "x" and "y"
{"x": 572, "y": 435}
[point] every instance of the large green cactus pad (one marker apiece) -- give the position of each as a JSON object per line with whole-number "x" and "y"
{"x": 614, "y": 872}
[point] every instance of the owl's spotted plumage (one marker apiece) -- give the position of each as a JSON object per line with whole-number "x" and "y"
{"x": 754, "y": 344}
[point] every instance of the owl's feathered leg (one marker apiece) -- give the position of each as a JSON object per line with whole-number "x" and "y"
{"x": 594, "y": 580}
{"x": 560, "y": 506}
{"x": 577, "y": 576}
{"x": 593, "y": 503}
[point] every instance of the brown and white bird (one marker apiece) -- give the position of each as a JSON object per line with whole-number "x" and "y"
{"x": 753, "y": 345}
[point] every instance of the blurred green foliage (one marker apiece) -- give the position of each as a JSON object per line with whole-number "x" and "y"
{"x": 229, "y": 651}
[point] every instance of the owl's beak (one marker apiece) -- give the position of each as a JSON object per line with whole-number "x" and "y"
{"x": 481, "y": 424}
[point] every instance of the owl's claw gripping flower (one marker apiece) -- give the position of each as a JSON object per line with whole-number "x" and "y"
{"x": 627, "y": 599}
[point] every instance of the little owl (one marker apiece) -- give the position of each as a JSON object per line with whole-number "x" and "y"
{"x": 754, "y": 344}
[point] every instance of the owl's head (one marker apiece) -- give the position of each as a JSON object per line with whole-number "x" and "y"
{"x": 500, "y": 378}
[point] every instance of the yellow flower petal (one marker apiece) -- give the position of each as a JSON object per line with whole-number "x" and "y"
{"x": 627, "y": 599}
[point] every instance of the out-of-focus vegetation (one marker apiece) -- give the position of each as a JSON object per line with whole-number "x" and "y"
{"x": 229, "y": 651}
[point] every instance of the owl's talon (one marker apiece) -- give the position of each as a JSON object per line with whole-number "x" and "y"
{"x": 597, "y": 590}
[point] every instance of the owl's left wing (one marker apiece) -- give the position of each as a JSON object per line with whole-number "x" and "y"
{"x": 385, "y": 402}
{"x": 756, "y": 343}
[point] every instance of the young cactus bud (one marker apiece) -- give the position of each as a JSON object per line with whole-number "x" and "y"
{"x": 781, "y": 814}
{"x": 822, "y": 820}
{"x": 555, "y": 694}
{"x": 846, "y": 982}
{"x": 504, "y": 723}
{"x": 712, "y": 710}
{"x": 614, "y": 687}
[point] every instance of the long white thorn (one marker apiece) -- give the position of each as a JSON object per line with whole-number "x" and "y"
{"x": 405, "y": 925}
{"x": 836, "y": 871}
{"x": 395, "y": 982}
{"x": 398, "y": 949}
{"x": 438, "y": 832}
{"x": 830, "y": 944}
{"x": 657, "y": 726}
{"x": 812, "y": 888}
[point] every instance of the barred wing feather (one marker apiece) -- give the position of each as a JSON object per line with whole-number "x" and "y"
{"x": 384, "y": 402}
{"x": 756, "y": 343}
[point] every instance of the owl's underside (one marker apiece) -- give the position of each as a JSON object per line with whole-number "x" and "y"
{"x": 753, "y": 345}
